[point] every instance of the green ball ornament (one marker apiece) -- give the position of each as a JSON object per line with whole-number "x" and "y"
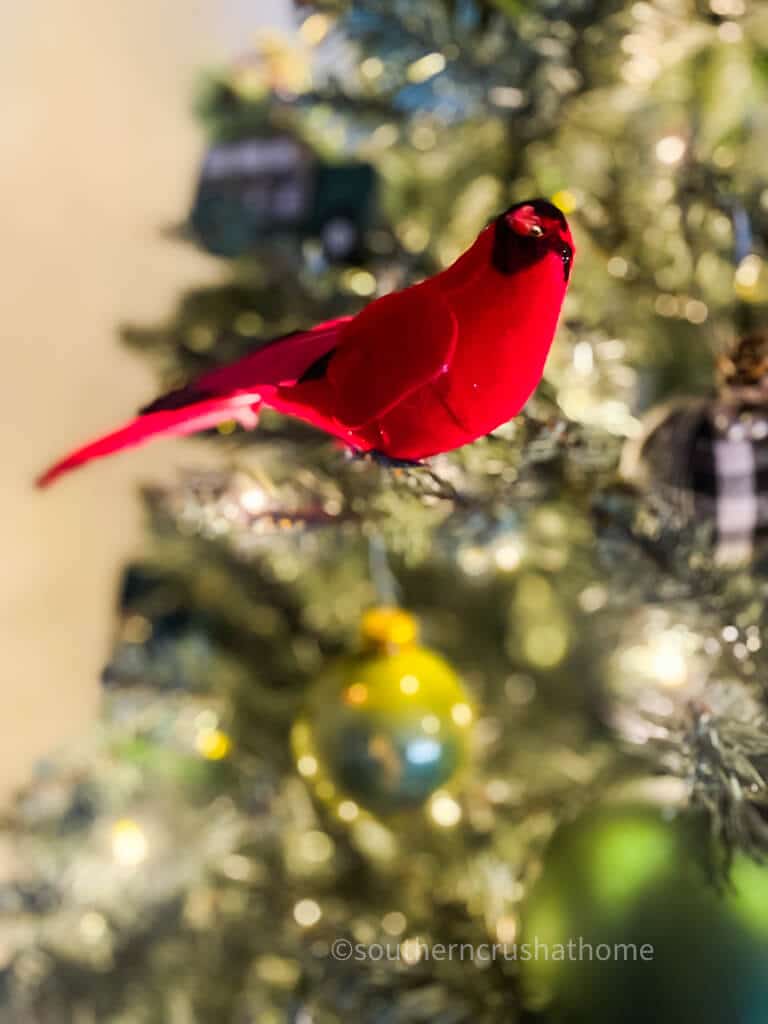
{"x": 386, "y": 727}
{"x": 652, "y": 938}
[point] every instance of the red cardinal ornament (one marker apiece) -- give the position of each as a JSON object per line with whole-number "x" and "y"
{"x": 418, "y": 372}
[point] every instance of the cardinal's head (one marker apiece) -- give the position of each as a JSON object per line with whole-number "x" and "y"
{"x": 527, "y": 232}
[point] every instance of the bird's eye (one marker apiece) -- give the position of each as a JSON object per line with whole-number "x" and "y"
{"x": 526, "y": 222}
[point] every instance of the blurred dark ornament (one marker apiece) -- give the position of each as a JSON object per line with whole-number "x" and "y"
{"x": 626, "y": 877}
{"x": 82, "y": 810}
{"x": 159, "y": 642}
{"x": 265, "y": 186}
{"x": 471, "y": 15}
{"x": 27, "y": 897}
{"x": 387, "y": 726}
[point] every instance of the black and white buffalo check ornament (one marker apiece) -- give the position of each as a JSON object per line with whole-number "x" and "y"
{"x": 704, "y": 462}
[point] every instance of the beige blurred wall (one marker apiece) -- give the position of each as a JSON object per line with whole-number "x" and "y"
{"x": 97, "y": 152}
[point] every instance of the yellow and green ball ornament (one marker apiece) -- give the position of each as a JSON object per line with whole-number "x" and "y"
{"x": 652, "y": 937}
{"x": 387, "y": 726}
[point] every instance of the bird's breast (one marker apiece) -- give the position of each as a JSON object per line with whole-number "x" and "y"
{"x": 504, "y": 337}
{"x": 505, "y": 330}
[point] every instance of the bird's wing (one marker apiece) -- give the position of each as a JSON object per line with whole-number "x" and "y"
{"x": 231, "y": 392}
{"x": 393, "y": 347}
{"x": 281, "y": 361}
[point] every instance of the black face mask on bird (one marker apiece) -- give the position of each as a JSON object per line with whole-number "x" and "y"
{"x": 526, "y": 232}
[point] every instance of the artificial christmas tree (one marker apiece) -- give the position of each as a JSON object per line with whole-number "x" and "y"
{"x": 243, "y": 839}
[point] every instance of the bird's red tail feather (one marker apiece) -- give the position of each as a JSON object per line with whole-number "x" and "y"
{"x": 168, "y": 423}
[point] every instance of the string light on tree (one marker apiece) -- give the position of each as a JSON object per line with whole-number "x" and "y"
{"x": 307, "y": 913}
{"x": 213, "y": 744}
{"x": 426, "y": 67}
{"x": 315, "y": 28}
{"x": 444, "y": 810}
{"x": 661, "y": 665}
{"x": 659, "y": 652}
{"x": 129, "y": 843}
{"x": 749, "y": 279}
{"x": 566, "y": 200}
{"x": 670, "y": 149}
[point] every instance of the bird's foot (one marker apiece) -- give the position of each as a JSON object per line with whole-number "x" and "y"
{"x": 390, "y": 463}
{"x": 416, "y": 470}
